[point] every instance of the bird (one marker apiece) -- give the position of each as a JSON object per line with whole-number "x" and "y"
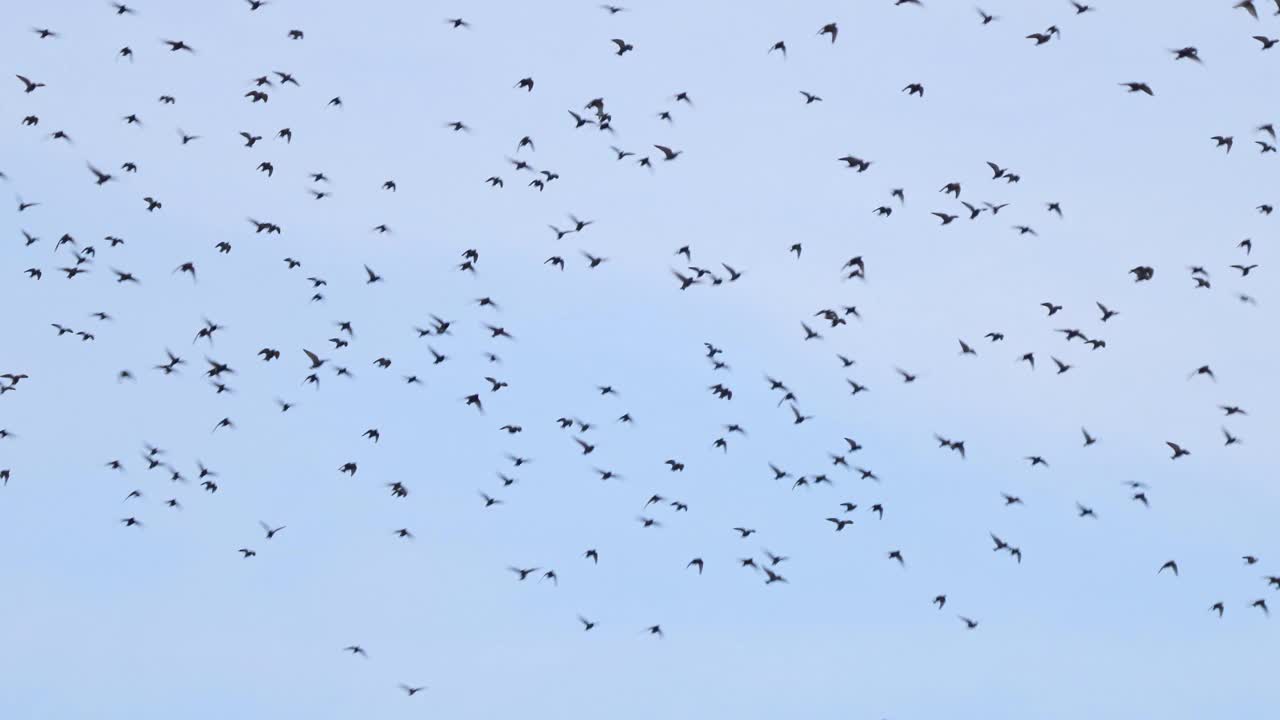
{"x": 855, "y": 163}
{"x": 668, "y": 153}
{"x": 523, "y": 573}
{"x": 1138, "y": 87}
{"x": 1203, "y": 370}
{"x": 101, "y": 178}
{"x": 29, "y": 85}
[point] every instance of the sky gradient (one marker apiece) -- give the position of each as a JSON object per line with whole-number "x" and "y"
{"x": 169, "y": 621}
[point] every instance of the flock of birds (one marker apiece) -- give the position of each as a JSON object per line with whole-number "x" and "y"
{"x": 485, "y": 344}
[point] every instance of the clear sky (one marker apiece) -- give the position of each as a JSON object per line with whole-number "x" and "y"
{"x": 168, "y": 620}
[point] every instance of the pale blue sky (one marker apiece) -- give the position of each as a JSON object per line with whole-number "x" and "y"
{"x": 168, "y": 620}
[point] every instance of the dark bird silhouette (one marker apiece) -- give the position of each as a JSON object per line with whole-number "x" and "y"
{"x": 101, "y": 178}
{"x": 29, "y": 85}
{"x": 1138, "y": 87}
{"x": 668, "y": 153}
